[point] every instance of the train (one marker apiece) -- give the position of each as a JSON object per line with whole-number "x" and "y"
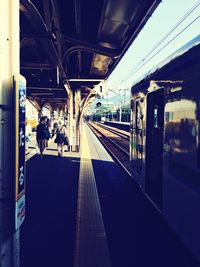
{"x": 165, "y": 140}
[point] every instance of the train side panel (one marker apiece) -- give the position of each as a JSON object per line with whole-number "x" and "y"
{"x": 165, "y": 144}
{"x": 181, "y": 170}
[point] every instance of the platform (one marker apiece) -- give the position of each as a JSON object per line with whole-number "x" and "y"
{"x": 69, "y": 224}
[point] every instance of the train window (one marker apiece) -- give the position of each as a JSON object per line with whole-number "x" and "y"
{"x": 181, "y": 140}
{"x": 139, "y": 115}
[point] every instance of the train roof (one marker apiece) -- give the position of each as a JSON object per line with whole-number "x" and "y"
{"x": 167, "y": 61}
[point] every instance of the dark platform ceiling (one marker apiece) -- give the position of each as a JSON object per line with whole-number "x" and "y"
{"x": 63, "y": 40}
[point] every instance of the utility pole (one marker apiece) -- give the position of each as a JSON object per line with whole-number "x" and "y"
{"x": 107, "y": 117}
{"x": 120, "y": 107}
{"x": 120, "y": 111}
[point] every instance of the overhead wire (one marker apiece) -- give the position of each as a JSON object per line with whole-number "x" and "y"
{"x": 164, "y": 46}
{"x": 142, "y": 63}
{"x": 175, "y": 26}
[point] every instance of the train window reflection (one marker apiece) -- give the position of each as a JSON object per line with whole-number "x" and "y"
{"x": 181, "y": 109}
{"x": 181, "y": 136}
{"x": 181, "y": 126}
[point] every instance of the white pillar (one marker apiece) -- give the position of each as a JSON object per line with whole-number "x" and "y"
{"x": 78, "y": 117}
{"x": 9, "y": 58}
{"x": 70, "y": 119}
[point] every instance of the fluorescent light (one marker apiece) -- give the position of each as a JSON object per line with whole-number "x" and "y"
{"x": 44, "y": 94}
{"x": 85, "y": 80}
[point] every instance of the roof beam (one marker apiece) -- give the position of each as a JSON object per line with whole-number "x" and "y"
{"x": 38, "y": 25}
{"x": 92, "y": 47}
{"x": 34, "y": 66}
{"x": 47, "y": 15}
{"x": 85, "y": 80}
{"x": 99, "y": 30}
{"x": 56, "y": 20}
{"x": 77, "y": 7}
{"x": 87, "y": 47}
{"x": 45, "y": 88}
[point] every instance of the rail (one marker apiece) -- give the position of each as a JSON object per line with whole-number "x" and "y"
{"x": 118, "y": 153}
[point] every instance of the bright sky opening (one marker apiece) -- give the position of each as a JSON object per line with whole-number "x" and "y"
{"x": 172, "y": 25}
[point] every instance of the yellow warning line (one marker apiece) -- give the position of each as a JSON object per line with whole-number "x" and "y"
{"x": 91, "y": 247}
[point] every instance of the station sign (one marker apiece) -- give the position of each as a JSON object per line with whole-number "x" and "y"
{"x": 20, "y": 107}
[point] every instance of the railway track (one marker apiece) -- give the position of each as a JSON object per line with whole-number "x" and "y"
{"x": 115, "y": 135}
{"x": 119, "y": 152}
{"x": 120, "y": 133}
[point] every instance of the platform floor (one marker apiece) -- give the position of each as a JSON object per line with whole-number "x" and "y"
{"x": 64, "y": 225}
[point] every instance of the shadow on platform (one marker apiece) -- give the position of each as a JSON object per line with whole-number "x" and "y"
{"x": 137, "y": 234}
{"x": 47, "y": 235}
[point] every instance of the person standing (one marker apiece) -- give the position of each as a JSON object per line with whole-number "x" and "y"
{"x": 41, "y": 136}
{"x": 61, "y": 139}
{"x": 47, "y": 130}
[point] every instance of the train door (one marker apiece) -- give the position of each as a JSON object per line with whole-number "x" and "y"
{"x": 139, "y": 135}
{"x": 154, "y": 146}
{"x": 131, "y": 129}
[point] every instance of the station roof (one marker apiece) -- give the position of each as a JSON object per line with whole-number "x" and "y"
{"x": 75, "y": 42}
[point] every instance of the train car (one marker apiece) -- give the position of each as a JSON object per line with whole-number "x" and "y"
{"x": 165, "y": 140}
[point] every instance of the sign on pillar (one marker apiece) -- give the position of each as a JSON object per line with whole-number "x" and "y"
{"x": 20, "y": 107}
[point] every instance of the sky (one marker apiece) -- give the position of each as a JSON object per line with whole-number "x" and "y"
{"x": 136, "y": 62}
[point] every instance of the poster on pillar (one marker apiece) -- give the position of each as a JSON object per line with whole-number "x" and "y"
{"x": 20, "y": 107}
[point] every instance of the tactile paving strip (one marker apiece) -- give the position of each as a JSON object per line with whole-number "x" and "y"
{"x": 91, "y": 249}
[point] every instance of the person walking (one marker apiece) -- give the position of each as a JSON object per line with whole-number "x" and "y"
{"x": 42, "y": 135}
{"x": 54, "y": 130}
{"x": 47, "y": 130}
{"x": 61, "y": 139}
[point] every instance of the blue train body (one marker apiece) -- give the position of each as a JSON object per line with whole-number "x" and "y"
{"x": 165, "y": 140}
